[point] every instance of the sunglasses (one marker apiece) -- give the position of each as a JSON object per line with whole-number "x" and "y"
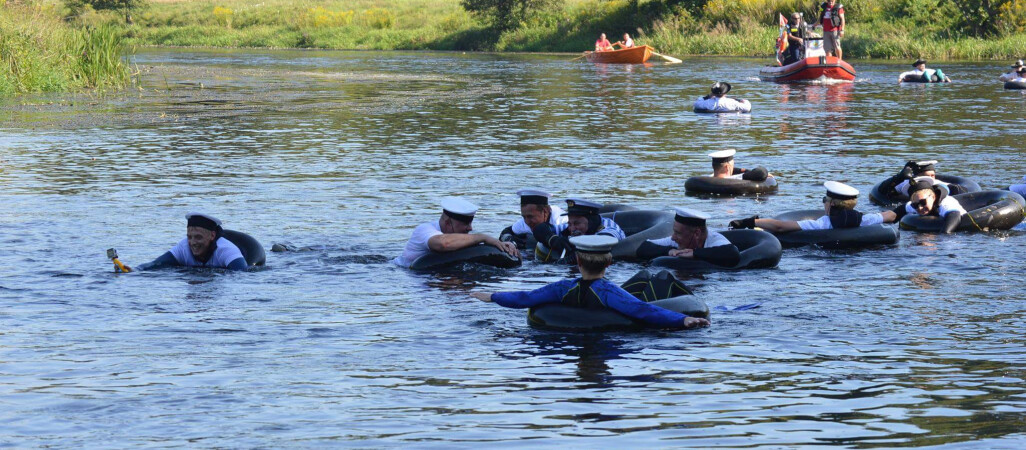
{"x": 920, "y": 204}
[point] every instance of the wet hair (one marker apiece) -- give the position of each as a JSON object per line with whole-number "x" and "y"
{"x": 594, "y": 262}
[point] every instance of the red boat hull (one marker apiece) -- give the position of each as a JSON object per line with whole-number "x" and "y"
{"x": 821, "y": 68}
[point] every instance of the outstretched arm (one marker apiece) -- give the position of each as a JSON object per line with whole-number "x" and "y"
{"x": 165, "y": 260}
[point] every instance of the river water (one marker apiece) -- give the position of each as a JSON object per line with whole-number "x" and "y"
{"x": 918, "y": 344}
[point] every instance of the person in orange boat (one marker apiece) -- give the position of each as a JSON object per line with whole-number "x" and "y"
{"x": 627, "y": 42}
{"x": 602, "y": 44}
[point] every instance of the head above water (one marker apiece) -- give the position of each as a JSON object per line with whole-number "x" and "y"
{"x": 839, "y": 196}
{"x": 583, "y": 217}
{"x": 723, "y": 163}
{"x": 925, "y": 168}
{"x": 720, "y": 88}
{"x": 594, "y": 253}
{"x": 919, "y": 64}
{"x": 457, "y": 216}
{"x": 689, "y": 228}
{"x": 534, "y": 206}
{"x": 201, "y": 231}
{"x": 923, "y": 195}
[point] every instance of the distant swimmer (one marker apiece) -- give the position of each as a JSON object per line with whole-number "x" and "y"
{"x": 450, "y": 233}
{"x": 839, "y": 212}
{"x": 691, "y": 238}
{"x": 920, "y": 74}
{"x": 534, "y": 210}
{"x": 717, "y": 101}
{"x": 203, "y": 246}
{"x": 602, "y": 44}
{"x": 927, "y": 198}
{"x": 582, "y": 219}
{"x": 593, "y": 291}
{"x": 627, "y": 42}
{"x": 723, "y": 167}
{"x": 1014, "y": 73}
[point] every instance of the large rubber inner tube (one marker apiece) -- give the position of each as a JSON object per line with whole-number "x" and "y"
{"x": 986, "y": 210}
{"x": 251, "y": 250}
{"x": 1017, "y": 85}
{"x": 478, "y": 254}
{"x": 720, "y": 111}
{"x": 638, "y": 225}
{"x": 893, "y": 198}
{"x": 729, "y": 186}
{"x": 835, "y": 238}
{"x": 759, "y": 250}
{"x": 661, "y": 289}
{"x": 933, "y": 78}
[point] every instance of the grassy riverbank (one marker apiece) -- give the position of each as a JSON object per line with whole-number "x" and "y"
{"x": 39, "y": 52}
{"x": 877, "y": 29}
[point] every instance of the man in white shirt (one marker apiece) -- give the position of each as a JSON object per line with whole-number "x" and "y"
{"x": 202, "y": 246}
{"x": 717, "y": 101}
{"x": 922, "y": 74}
{"x": 692, "y": 239}
{"x": 1014, "y": 73}
{"x": 723, "y": 167}
{"x": 927, "y": 198}
{"x": 534, "y": 210}
{"x": 839, "y": 209}
{"x": 450, "y": 233}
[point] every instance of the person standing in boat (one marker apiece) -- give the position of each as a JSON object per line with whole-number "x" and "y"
{"x": 838, "y": 206}
{"x": 627, "y": 42}
{"x": 1014, "y": 73}
{"x": 582, "y": 219}
{"x": 534, "y": 210}
{"x": 921, "y": 74}
{"x": 602, "y": 44}
{"x": 717, "y": 101}
{"x": 723, "y": 167}
{"x": 832, "y": 20}
{"x": 593, "y": 291}
{"x": 795, "y": 39}
{"x": 692, "y": 239}
{"x": 927, "y": 198}
{"x": 450, "y": 233}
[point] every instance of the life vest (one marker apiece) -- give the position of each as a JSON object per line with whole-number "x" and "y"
{"x": 835, "y": 16}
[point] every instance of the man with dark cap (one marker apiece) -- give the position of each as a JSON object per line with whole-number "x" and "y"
{"x": 922, "y": 74}
{"x": 692, "y": 239}
{"x": 534, "y": 210}
{"x": 593, "y": 291}
{"x": 1014, "y": 73}
{"x": 717, "y": 101}
{"x": 582, "y": 219}
{"x": 723, "y": 167}
{"x": 450, "y": 233}
{"x": 927, "y": 198}
{"x": 203, "y": 246}
{"x": 915, "y": 169}
{"x": 839, "y": 208}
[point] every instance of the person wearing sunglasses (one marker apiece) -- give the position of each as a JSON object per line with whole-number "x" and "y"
{"x": 839, "y": 212}
{"x": 929, "y": 199}
{"x": 450, "y": 233}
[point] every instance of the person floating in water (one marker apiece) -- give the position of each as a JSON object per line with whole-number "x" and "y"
{"x": 582, "y": 219}
{"x": 203, "y": 246}
{"x": 592, "y": 290}
{"x": 839, "y": 212}
{"x": 692, "y": 239}
{"x": 534, "y": 210}
{"x": 921, "y": 74}
{"x": 717, "y": 101}
{"x": 450, "y": 233}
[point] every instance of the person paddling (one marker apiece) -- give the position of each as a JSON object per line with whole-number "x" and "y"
{"x": 602, "y": 44}
{"x": 627, "y": 42}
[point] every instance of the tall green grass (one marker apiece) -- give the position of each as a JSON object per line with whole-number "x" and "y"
{"x": 40, "y": 53}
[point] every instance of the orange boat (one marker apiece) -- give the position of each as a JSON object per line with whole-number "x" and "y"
{"x": 633, "y": 55}
{"x": 813, "y": 69}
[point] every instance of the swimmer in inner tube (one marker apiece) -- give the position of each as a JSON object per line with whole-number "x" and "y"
{"x": 929, "y": 199}
{"x": 915, "y": 169}
{"x": 591, "y": 290}
{"x": 450, "y": 233}
{"x": 534, "y": 210}
{"x": 839, "y": 207}
{"x": 203, "y": 246}
{"x": 723, "y": 167}
{"x": 717, "y": 100}
{"x": 582, "y": 219}
{"x": 692, "y": 239}
{"x": 1016, "y": 68}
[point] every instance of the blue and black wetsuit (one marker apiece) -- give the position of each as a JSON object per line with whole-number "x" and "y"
{"x": 592, "y": 294}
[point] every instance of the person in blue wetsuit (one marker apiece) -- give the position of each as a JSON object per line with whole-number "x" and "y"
{"x": 203, "y": 246}
{"x": 582, "y": 219}
{"x": 591, "y": 290}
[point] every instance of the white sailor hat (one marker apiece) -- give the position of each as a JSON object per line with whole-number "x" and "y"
{"x": 923, "y": 166}
{"x": 205, "y": 221}
{"x": 1017, "y": 64}
{"x": 580, "y": 207}
{"x": 690, "y": 217}
{"x": 459, "y": 209}
{"x": 840, "y": 191}
{"x": 722, "y": 156}
{"x": 533, "y": 197}
{"x": 594, "y": 243}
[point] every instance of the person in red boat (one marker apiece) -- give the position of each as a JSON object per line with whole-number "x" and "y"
{"x": 832, "y": 19}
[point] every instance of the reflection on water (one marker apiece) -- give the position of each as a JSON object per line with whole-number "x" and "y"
{"x": 338, "y": 155}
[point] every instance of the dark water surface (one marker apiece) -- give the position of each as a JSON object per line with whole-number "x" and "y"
{"x": 913, "y": 345}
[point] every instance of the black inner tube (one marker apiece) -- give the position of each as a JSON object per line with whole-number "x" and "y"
{"x": 729, "y": 186}
{"x": 759, "y": 250}
{"x": 893, "y": 198}
{"x": 844, "y": 238}
{"x": 720, "y": 111}
{"x": 986, "y": 210}
{"x": 638, "y": 225}
{"x": 1016, "y": 85}
{"x": 251, "y": 249}
{"x": 478, "y": 254}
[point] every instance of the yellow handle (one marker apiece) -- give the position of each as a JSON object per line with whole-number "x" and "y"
{"x": 118, "y": 265}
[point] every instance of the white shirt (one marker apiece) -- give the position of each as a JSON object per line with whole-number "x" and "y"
{"x": 714, "y": 239}
{"x": 823, "y": 223}
{"x": 916, "y": 72}
{"x": 739, "y": 176}
{"x": 947, "y": 205}
{"x": 1009, "y": 76}
{"x": 725, "y": 104}
{"x": 224, "y": 254}
{"x": 902, "y": 187}
{"x": 556, "y": 218}
{"x": 609, "y": 228}
{"x": 417, "y": 246}
{"x": 1018, "y": 80}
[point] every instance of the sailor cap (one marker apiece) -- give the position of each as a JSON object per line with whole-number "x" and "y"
{"x": 690, "y": 217}
{"x": 723, "y": 156}
{"x": 580, "y": 207}
{"x": 594, "y": 243}
{"x": 533, "y": 197}
{"x": 205, "y": 221}
{"x": 459, "y": 209}
{"x": 840, "y": 191}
